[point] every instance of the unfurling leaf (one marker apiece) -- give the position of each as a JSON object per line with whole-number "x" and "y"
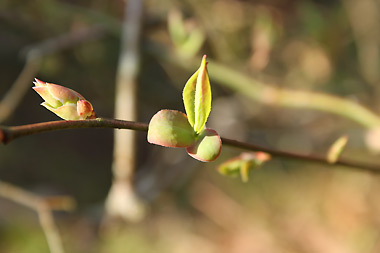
{"x": 197, "y": 97}
{"x": 170, "y": 128}
{"x": 64, "y": 102}
{"x": 243, "y": 164}
{"x": 207, "y": 147}
{"x": 336, "y": 149}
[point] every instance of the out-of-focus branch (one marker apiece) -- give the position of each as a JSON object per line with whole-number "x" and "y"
{"x": 256, "y": 89}
{"x": 66, "y": 41}
{"x": 33, "y": 56}
{"x": 17, "y": 91}
{"x": 10, "y": 133}
{"x": 122, "y": 200}
{"x": 44, "y": 208}
{"x": 271, "y": 95}
{"x": 364, "y": 18}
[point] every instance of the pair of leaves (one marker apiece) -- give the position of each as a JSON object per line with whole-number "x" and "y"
{"x": 172, "y": 128}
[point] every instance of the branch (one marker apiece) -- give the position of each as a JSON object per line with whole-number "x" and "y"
{"x": 8, "y": 134}
{"x": 43, "y": 207}
{"x": 122, "y": 200}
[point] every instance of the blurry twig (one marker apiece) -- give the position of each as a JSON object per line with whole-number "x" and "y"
{"x": 43, "y": 207}
{"x": 33, "y": 56}
{"x": 122, "y": 200}
{"x": 364, "y": 18}
{"x": 17, "y": 91}
{"x": 8, "y": 134}
{"x": 209, "y": 202}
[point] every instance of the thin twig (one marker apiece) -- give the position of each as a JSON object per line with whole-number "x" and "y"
{"x": 364, "y": 16}
{"x": 43, "y": 208}
{"x": 298, "y": 156}
{"x": 8, "y": 134}
{"x": 50, "y": 229}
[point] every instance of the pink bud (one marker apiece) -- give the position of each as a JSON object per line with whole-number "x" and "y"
{"x": 64, "y": 102}
{"x": 84, "y": 109}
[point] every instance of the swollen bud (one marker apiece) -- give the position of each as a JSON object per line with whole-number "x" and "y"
{"x": 207, "y": 147}
{"x": 64, "y": 102}
{"x": 170, "y": 128}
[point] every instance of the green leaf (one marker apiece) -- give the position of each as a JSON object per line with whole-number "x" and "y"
{"x": 207, "y": 147}
{"x": 170, "y": 128}
{"x": 197, "y": 97}
{"x": 189, "y": 98}
{"x": 231, "y": 167}
{"x": 336, "y": 149}
{"x": 243, "y": 164}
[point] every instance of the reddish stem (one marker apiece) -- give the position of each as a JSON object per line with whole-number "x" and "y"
{"x": 8, "y": 134}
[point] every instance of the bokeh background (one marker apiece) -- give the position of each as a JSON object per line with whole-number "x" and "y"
{"x": 315, "y": 46}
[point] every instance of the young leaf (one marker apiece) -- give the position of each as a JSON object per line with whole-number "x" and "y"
{"x": 243, "y": 164}
{"x": 197, "y": 97}
{"x": 336, "y": 149}
{"x": 170, "y": 128}
{"x": 207, "y": 147}
{"x": 188, "y": 96}
{"x": 245, "y": 171}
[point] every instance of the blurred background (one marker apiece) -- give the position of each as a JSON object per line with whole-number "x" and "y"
{"x": 270, "y": 61}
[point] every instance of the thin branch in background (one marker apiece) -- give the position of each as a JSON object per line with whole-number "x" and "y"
{"x": 270, "y": 94}
{"x": 249, "y": 86}
{"x": 8, "y": 134}
{"x": 19, "y": 88}
{"x": 44, "y": 208}
{"x": 364, "y": 18}
{"x": 33, "y": 56}
{"x": 122, "y": 200}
